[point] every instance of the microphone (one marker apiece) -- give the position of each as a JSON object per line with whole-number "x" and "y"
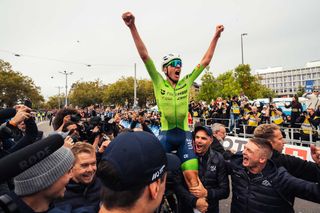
{"x": 19, "y": 161}
{"x": 6, "y": 114}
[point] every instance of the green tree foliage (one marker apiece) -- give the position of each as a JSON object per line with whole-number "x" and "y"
{"x": 118, "y": 92}
{"x": 145, "y": 92}
{"x": 247, "y": 82}
{"x": 250, "y": 84}
{"x": 54, "y": 101}
{"x": 122, "y": 90}
{"x": 231, "y": 83}
{"x": 16, "y": 87}
{"x": 300, "y": 91}
{"x": 227, "y": 85}
{"x": 208, "y": 90}
{"x": 86, "y": 93}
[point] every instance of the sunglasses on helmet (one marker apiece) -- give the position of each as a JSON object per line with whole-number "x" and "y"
{"x": 175, "y": 63}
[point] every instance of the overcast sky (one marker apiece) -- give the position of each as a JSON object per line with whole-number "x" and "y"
{"x": 50, "y": 34}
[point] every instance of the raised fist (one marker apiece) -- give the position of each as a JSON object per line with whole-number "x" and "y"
{"x": 219, "y": 30}
{"x": 128, "y": 18}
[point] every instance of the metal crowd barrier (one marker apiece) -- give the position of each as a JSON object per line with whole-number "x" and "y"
{"x": 293, "y": 135}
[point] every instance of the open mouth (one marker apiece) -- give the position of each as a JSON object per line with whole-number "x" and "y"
{"x": 198, "y": 147}
{"x": 245, "y": 159}
{"x": 177, "y": 74}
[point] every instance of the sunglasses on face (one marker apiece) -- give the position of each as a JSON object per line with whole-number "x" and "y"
{"x": 175, "y": 63}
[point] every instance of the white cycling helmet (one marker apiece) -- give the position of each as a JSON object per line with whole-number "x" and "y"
{"x": 169, "y": 57}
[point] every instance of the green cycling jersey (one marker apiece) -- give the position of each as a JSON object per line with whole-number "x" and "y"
{"x": 172, "y": 102}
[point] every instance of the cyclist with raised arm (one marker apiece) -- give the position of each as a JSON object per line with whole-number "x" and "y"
{"x": 172, "y": 96}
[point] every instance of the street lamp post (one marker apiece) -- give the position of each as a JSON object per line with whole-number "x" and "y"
{"x": 59, "y": 95}
{"x": 135, "y": 87}
{"x": 242, "y": 34}
{"x": 66, "y": 74}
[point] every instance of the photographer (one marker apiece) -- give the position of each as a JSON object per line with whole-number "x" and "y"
{"x": 275, "y": 114}
{"x": 8, "y": 145}
{"x": 139, "y": 122}
{"x": 7, "y": 142}
{"x": 63, "y": 116}
{"x": 310, "y": 122}
{"x": 253, "y": 119}
{"x": 296, "y": 109}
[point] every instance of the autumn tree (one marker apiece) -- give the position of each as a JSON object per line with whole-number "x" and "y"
{"x": 208, "y": 90}
{"x": 227, "y": 85}
{"x": 250, "y": 84}
{"x": 55, "y": 101}
{"x": 16, "y": 87}
{"x": 86, "y": 93}
{"x": 122, "y": 91}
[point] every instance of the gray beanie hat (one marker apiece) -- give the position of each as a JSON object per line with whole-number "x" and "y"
{"x": 44, "y": 173}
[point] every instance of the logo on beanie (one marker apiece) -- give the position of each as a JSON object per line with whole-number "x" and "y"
{"x": 38, "y": 156}
{"x": 158, "y": 173}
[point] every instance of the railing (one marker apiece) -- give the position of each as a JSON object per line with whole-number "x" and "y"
{"x": 293, "y": 135}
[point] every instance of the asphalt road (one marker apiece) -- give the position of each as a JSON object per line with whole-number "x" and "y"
{"x": 300, "y": 206}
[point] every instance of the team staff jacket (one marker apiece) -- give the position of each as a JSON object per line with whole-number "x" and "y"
{"x": 214, "y": 177}
{"x": 273, "y": 190}
{"x": 172, "y": 102}
{"x": 297, "y": 167}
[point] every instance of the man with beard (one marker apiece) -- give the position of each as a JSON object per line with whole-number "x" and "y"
{"x": 296, "y": 166}
{"x": 212, "y": 173}
{"x": 83, "y": 190}
{"x": 172, "y": 99}
{"x": 259, "y": 186}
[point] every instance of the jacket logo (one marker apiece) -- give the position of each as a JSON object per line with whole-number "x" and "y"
{"x": 213, "y": 168}
{"x": 266, "y": 183}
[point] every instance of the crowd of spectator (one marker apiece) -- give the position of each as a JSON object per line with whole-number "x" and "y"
{"x": 70, "y": 178}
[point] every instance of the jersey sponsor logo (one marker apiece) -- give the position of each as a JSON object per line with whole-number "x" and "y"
{"x": 182, "y": 97}
{"x": 170, "y": 94}
{"x": 183, "y": 86}
{"x": 167, "y": 98}
{"x": 266, "y": 183}
{"x": 182, "y": 93}
{"x": 162, "y": 91}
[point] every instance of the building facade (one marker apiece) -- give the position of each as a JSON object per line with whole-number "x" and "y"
{"x": 286, "y": 82}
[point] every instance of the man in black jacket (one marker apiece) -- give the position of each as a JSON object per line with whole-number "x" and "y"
{"x": 297, "y": 167}
{"x": 212, "y": 173}
{"x": 259, "y": 186}
{"x": 219, "y": 134}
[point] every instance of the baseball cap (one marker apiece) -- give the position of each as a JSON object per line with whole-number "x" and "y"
{"x": 138, "y": 159}
{"x": 208, "y": 130}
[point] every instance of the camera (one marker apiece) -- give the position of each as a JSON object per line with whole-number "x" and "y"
{"x": 75, "y": 118}
{"x": 28, "y": 103}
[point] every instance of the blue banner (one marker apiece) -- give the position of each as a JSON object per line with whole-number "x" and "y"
{"x": 309, "y": 85}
